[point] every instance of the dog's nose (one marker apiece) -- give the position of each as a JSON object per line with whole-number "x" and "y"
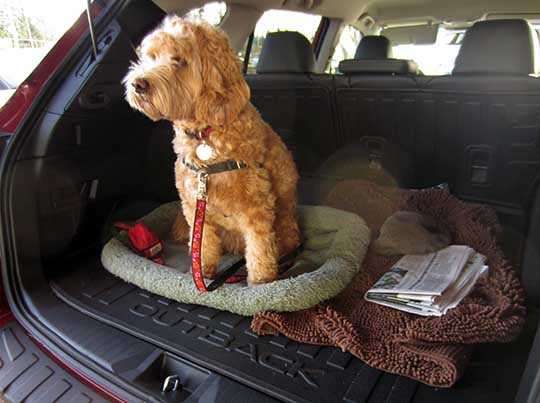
{"x": 140, "y": 85}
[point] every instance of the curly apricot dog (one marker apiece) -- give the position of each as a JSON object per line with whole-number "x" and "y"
{"x": 189, "y": 74}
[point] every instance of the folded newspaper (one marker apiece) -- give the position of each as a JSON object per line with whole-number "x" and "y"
{"x": 429, "y": 285}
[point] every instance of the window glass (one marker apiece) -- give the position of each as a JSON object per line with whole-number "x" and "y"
{"x": 536, "y": 45}
{"x": 212, "y": 13}
{"x": 346, "y": 47}
{"x": 280, "y": 20}
{"x": 437, "y": 58}
{"x": 28, "y": 30}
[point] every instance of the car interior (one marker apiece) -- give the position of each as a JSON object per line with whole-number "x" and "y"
{"x": 83, "y": 158}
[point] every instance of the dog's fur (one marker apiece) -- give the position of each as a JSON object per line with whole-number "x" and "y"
{"x": 195, "y": 80}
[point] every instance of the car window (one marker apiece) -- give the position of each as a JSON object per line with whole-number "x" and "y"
{"x": 349, "y": 39}
{"x": 280, "y": 20}
{"x": 437, "y": 58}
{"x": 536, "y": 26}
{"x": 5, "y": 85}
{"x": 212, "y": 13}
{"x": 28, "y": 30}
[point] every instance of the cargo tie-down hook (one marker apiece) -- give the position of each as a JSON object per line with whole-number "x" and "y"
{"x": 171, "y": 383}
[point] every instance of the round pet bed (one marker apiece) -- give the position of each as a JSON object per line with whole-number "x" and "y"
{"x": 334, "y": 245}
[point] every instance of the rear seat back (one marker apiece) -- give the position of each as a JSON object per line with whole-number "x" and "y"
{"x": 476, "y": 129}
{"x": 370, "y": 95}
{"x": 491, "y": 106}
{"x": 295, "y": 101}
{"x": 376, "y": 105}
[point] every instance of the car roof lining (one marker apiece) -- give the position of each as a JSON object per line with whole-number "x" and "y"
{"x": 385, "y": 12}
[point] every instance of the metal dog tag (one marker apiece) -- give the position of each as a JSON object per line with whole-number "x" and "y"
{"x": 204, "y": 152}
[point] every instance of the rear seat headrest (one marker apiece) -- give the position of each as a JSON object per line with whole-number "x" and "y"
{"x": 286, "y": 52}
{"x": 374, "y": 47}
{"x": 378, "y": 66}
{"x": 374, "y": 56}
{"x": 497, "y": 47}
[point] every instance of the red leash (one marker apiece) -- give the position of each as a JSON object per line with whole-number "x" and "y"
{"x": 227, "y": 276}
{"x": 196, "y": 243}
{"x": 196, "y": 238}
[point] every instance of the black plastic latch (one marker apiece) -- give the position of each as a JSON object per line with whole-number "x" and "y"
{"x": 479, "y": 165}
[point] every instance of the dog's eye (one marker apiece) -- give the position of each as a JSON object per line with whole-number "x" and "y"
{"x": 178, "y": 61}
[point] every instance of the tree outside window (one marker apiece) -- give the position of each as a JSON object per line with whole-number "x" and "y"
{"x": 28, "y": 30}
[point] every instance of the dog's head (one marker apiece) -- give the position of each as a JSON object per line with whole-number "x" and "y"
{"x": 187, "y": 71}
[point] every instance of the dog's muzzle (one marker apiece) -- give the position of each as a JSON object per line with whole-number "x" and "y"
{"x": 140, "y": 85}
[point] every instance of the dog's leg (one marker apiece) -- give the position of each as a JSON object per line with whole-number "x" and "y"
{"x": 261, "y": 250}
{"x": 286, "y": 224}
{"x": 211, "y": 250}
{"x": 180, "y": 228}
{"x": 287, "y": 233}
{"x": 284, "y": 178}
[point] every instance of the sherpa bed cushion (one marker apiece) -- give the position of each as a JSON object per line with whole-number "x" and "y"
{"x": 334, "y": 245}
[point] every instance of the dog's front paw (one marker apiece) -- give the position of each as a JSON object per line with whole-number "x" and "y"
{"x": 209, "y": 272}
{"x": 254, "y": 280}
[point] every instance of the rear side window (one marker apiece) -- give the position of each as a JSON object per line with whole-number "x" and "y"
{"x": 536, "y": 27}
{"x": 435, "y": 59}
{"x": 212, "y": 13}
{"x": 349, "y": 39}
{"x": 28, "y": 30}
{"x": 280, "y": 20}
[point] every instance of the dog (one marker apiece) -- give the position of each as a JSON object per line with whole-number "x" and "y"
{"x": 188, "y": 73}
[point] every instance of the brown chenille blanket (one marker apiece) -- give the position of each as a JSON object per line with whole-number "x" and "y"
{"x": 433, "y": 350}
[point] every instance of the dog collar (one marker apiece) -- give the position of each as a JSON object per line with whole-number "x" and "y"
{"x": 218, "y": 167}
{"x": 200, "y": 135}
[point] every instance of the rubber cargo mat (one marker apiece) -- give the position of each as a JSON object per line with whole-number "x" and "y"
{"x": 223, "y": 342}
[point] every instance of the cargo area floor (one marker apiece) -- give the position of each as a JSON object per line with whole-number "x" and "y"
{"x": 282, "y": 368}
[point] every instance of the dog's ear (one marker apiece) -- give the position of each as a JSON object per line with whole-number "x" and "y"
{"x": 176, "y": 26}
{"x": 224, "y": 92}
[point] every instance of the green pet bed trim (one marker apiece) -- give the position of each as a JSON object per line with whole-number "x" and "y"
{"x": 334, "y": 245}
